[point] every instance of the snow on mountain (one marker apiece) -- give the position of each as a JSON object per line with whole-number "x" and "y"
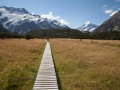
{"x": 87, "y": 26}
{"x": 21, "y": 21}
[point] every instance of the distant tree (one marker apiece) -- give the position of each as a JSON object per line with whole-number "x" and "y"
{"x": 28, "y": 37}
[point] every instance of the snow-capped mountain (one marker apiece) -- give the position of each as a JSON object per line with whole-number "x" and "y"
{"x": 21, "y": 21}
{"x": 87, "y": 26}
{"x": 2, "y": 29}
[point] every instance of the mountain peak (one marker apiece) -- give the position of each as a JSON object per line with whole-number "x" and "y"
{"x": 87, "y": 26}
{"x": 15, "y": 10}
{"x": 87, "y": 23}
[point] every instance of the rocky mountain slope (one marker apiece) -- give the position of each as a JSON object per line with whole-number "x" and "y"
{"x": 87, "y": 26}
{"x": 21, "y": 21}
{"x": 2, "y": 29}
{"x": 113, "y": 23}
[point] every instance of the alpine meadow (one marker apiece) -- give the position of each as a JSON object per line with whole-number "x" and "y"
{"x": 19, "y": 63}
{"x": 87, "y": 64}
{"x": 60, "y": 45}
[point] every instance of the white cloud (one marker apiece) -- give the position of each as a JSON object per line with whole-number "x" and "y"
{"x": 113, "y": 13}
{"x": 33, "y": 13}
{"x": 63, "y": 22}
{"x": 108, "y": 11}
{"x": 105, "y": 6}
{"x": 52, "y": 17}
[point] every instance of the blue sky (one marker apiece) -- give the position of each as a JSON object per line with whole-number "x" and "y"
{"x": 73, "y": 13}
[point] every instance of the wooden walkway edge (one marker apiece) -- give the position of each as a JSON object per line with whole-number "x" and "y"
{"x": 46, "y": 78}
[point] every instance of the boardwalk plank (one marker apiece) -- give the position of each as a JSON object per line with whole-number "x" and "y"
{"x": 46, "y": 78}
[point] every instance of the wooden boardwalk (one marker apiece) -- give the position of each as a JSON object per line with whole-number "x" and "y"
{"x": 46, "y": 78}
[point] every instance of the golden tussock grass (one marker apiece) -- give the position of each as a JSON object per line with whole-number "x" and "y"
{"x": 19, "y": 63}
{"x": 87, "y": 64}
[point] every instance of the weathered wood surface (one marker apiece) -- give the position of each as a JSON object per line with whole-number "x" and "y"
{"x": 46, "y": 78}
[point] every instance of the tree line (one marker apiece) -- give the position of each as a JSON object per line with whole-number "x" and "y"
{"x": 63, "y": 33}
{"x": 4, "y": 35}
{"x": 75, "y": 34}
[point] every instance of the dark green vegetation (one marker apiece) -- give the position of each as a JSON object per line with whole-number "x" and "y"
{"x": 63, "y": 33}
{"x": 108, "y": 35}
{"x": 76, "y": 34}
{"x": 55, "y": 33}
{"x": 4, "y": 33}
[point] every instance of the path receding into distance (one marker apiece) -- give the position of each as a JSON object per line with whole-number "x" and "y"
{"x": 46, "y": 78}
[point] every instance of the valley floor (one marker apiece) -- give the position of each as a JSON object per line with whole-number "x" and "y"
{"x": 87, "y": 64}
{"x": 19, "y": 63}
{"x": 80, "y": 64}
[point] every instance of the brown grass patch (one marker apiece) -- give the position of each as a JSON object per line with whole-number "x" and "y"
{"x": 87, "y": 64}
{"x": 19, "y": 63}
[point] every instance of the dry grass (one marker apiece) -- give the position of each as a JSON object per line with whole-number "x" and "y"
{"x": 19, "y": 63}
{"x": 87, "y": 64}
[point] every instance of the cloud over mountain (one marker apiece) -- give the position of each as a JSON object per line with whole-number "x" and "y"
{"x": 52, "y": 17}
{"x": 108, "y": 11}
{"x": 111, "y": 10}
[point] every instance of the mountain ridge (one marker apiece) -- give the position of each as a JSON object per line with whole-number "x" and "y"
{"x": 21, "y": 21}
{"x": 87, "y": 26}
{"x": 111, "y": 24}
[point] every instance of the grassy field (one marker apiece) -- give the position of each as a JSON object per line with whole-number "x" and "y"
{"x": 80, "y": 65}
{"x": 87, "y": 64}
{"x": 19, "y": 63}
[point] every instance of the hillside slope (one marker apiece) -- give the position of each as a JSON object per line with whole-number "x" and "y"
{"x": 113, "y": 23}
